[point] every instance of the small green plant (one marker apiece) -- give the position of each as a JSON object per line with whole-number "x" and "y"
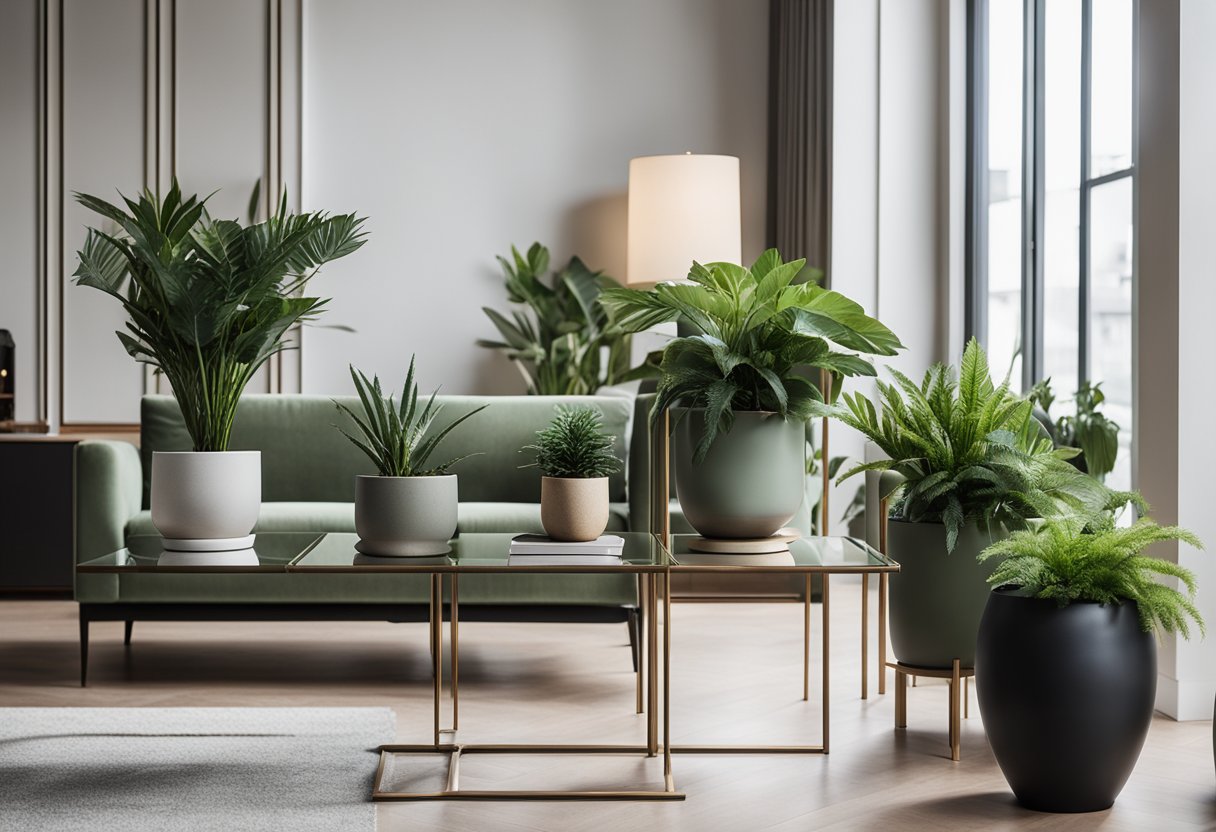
{"x": 575, "y": 446}
{"x": 968, "y": 450}
{"x": 1089, "y": 429}
{"x": 394, "y": 435}
{"x": 1069, "y": 559}
{"x": 558, "y": 335}
{"x": 760, "y": 337}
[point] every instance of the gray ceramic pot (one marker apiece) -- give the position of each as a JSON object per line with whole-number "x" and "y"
{"x": 405, "y": 516}
{"x": 751, "y": 481}
{"x": 937, "y": 599}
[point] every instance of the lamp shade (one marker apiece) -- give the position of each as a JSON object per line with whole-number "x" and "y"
{"x": 681, "y": 208}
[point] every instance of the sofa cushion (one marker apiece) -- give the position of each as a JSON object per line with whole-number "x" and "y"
{"x": 340, "y": 517}
{"x": 304, "y": 459}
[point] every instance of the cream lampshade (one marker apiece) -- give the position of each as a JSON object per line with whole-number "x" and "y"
{"x": 681, "y": 208}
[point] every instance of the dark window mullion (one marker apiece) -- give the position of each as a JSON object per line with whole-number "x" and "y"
{"x": 1032, "y": 192}
{"x": 1083, "y": 225}
{"x": 975, "y": 324}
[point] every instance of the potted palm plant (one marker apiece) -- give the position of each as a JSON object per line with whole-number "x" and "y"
{"x": 575, "y": 458}
{"x": 1066, "y": 662}
{"x": 740, "y": 388}
{"x": 974, "y": 464}
{"x": 409, "y": 508}
{"x": 210, "y": 301}
{"x": 558, "y": 336}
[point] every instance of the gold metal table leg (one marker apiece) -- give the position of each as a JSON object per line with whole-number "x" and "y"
{"x": 641, "y": 654}
{"x": 806, "y": 640}
{"x": 865, "y": 636}
{"x": 882, "y": 633}
{"x": 668, "y": 779}
{"x": 827, "y": 664}
{"x": 455, "y": 651}
{"x": 652, "y": 666}
{"x": 437, "y": 643}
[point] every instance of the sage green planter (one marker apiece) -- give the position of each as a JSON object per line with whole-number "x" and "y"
{"x": 937, "y": 599}
{"x": 751, "y": 481}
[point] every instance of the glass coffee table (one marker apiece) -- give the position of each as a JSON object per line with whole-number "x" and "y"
{"x": 488, "y": 553}
{"x": 643, "y": 556}
{"x": 806, "y": 558}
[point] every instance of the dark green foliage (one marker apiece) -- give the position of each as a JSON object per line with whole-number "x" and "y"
{"x": 968, "y": 450}
{"x": 209, "y": 300}
{"x": 1071, "y": 559}
{"x": 392, "y": 434}
{"x": 760, "y": 337}
{"x": 558, "y": 339}
{"x": 1089, "y": 429}
{"x": 574, "y": 445}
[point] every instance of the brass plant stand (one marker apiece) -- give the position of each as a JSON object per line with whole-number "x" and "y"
{"x": 959, "y": 689}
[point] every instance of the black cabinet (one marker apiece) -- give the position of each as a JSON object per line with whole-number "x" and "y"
{"x": 36, "y": 516}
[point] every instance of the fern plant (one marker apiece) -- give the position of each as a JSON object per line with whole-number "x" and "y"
{"x": 1069, "y": 559}
{"x": 758, "y": 337}
{"x": 575, "y": 446}
{"x": 209, "y": 300}
{"x": 968, "y": 450}
{"x": 394, "y": 435}
{"x": 558, "y": 335}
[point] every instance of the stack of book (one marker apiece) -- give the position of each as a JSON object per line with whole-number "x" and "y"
{"x": 538, "y": 550}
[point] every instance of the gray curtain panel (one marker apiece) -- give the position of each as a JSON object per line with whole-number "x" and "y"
{"x": 800, "y": 131}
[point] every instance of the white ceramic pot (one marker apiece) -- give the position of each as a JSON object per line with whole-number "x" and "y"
{"x": 574, "y": 509}
{"x": 405, "y": 516}
{"x": 206, "y": 496}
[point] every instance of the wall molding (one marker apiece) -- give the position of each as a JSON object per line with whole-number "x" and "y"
{"x": 281, "y": 167}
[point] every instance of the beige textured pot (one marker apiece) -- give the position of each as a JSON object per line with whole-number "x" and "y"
{"x": 574, "y": 509}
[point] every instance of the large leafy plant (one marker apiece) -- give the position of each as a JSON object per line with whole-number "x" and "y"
{"x": 968, "y": 450}
{"x": 558, "y": 335}
{"x": 574, "y": 445}
{"x": 394, "y": 434}
{"x": 209, "y": 300}
{"x": 758, "y": 337}
{"x": 1088, "y": 428}
{"x": 1068, "y": 559}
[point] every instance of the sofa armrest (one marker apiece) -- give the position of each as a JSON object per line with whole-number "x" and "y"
{"x": 109, "y": 491}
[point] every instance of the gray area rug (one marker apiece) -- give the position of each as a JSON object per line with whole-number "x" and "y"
{"x": 195, "y": 769}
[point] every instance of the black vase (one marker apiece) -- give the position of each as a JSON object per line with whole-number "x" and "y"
{"x": 1066, "y": 694}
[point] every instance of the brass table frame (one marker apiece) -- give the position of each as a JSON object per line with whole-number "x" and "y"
{"x": 444, "y": 739}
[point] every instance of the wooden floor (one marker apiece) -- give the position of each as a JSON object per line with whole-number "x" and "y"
{"x": 737, "y": 676}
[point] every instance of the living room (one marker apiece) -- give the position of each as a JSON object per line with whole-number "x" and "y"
{"x": 557, "y": 414}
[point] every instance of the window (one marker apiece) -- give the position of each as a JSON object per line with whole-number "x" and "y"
{"x": 1050, "y": 179}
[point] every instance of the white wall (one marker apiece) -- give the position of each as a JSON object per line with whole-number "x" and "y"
{"x": 458, "y": 127}
{"x": 897, "y": 186}
{"x": 462, "y": 127}
{"x": 1176, "y": 210}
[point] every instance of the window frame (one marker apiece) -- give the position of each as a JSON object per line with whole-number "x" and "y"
{"x": 1034, "y": 195}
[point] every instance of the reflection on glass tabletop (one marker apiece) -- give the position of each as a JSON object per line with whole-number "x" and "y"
{"x": 475, "y": 552}
{"x": 811, "y": 554}
{"x": 271, "y": 552}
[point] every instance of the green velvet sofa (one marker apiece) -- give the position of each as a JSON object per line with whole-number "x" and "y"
{"x": 308, "y": 471}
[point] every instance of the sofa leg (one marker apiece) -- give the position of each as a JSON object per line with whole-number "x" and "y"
{"x": 126, "y": 633}
{"x": 635, "y": 636}
{"x": 84, "y": 650}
